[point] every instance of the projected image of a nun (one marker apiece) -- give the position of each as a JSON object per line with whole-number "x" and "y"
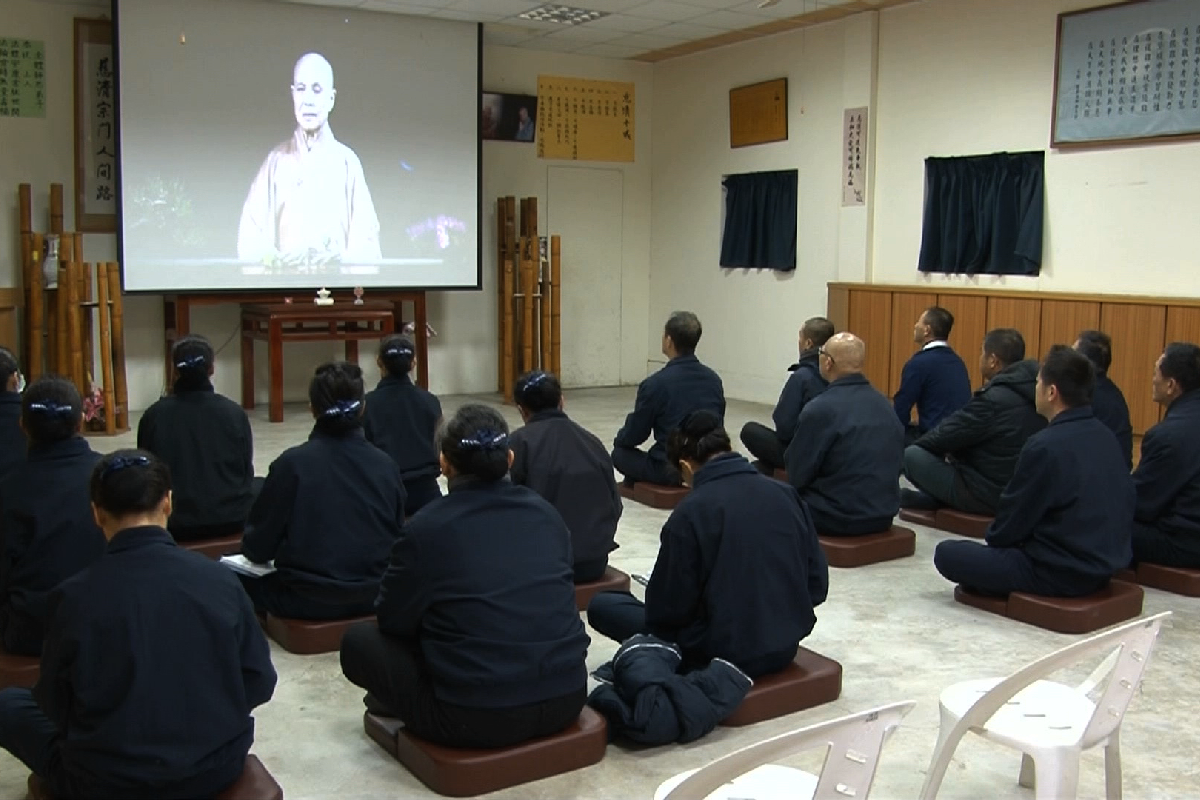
{"x": 309, "y": 203}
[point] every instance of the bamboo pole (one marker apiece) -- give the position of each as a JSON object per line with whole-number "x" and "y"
{"x": 507, "y": 375}
{"x": 118, "y": 347}
{"x": 556, "y": 304}
{"x": 74, "y": 325}
{"x": 106, "y": 364}
{"x": 62, "y": 317}
{"x": 86, "y": 298}
{"x": 528, "y": 286}
{"x": 35, "y": 311}
{"x": 56, "y": 208}
{"x": 544, "y": 309}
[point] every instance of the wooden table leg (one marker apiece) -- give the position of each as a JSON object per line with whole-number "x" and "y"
{"x": 177, "y": 324}
{"x": 275, "y": 364}
{"x": 421, "y": 323}
{"x": 247, "y": 367}
{"x": 352, "y": 344}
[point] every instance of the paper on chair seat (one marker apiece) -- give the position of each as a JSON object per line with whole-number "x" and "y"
{"x": 239, "y": 563}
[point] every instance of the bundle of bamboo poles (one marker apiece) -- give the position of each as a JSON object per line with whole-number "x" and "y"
{"x": 530, "y": 308}
{"x": 58, "y": 332}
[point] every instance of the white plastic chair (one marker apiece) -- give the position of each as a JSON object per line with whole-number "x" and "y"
{"x": 1049, "y": 722}
{"x": 854, "y": 744}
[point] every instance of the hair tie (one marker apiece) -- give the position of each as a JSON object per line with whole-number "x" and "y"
{"x": 195, "y": 362}
{"x": 124, "y": 462}
{"x": 485, "y": 439}
{"x": 342, "y": 408}
{"x": 535, "y": 378}
{"x": 53, "y": 410}
{"x": 399, "y": 350}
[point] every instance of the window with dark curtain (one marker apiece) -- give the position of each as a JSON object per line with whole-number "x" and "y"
{"x": 983, "y": 214}
{"x": 760, "y": 221}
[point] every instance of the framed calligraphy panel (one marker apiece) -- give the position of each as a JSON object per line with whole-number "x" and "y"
{"x": 95, "y": 128}
{"x": 585, "y": 120}
{"x": 22, "y": 78}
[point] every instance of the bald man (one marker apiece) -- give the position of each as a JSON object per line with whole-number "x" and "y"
{"x": 309, "y": 203}
{"x": 848, "y": 449}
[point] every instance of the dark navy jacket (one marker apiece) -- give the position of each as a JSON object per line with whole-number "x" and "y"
{"x": 205, "y": 439}
{"x": 483, "y": 580}
{"x": 647, "y": 699}
{"x": 48, "y": 534}
{"x": 1109, "y": 406}
{"x": 1069, "y": 505}
{"x": 401, "y": 419}
{"x": 848, "y": 469}
{"x": 12, "y": 438}
{"x": 682, "y": 386}
{"x": 329, "y": 512}
{"x": 566, "y": 464}
{"x": 152, "y": 665}
{"x": 802, "y": 385}
{"x": 1168, "y": 475}
{"x": 739, "y": 567}
{"x": 936, "y": 380}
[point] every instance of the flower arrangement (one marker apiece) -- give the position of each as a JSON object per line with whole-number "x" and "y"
{"x": 93, "y": 408}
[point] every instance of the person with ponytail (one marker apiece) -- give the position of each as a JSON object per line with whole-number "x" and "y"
{"x": 153, "y": 661}
{"x": 12, "y": 439}
{"x": 739, "y": 567}
{"x": 206, "y": 441}
{"x": 477, "y": 641}
{"x": 402, "y": 420}
{"x": 329, "y": 512}
{"x": 566, "y": 464}
{"x": 47, "y": 533}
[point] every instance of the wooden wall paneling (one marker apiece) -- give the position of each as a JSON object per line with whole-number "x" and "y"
{"x": 1183, "y": 325}
{"x": 1138, "y": 333}
{"x": 837, "y": 308}
{"x": 906, "y": 308}
{"x": 1023, "y": 314}
{"x": 870, "y": 319}
{"x": 1062, "y": 320}
{"x": 970, "y": 325}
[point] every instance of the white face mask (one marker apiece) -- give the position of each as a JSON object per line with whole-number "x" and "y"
{"x": 20, "y": 383}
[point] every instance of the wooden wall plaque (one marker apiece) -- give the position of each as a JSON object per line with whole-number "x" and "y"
{"x": 758, "y": 113}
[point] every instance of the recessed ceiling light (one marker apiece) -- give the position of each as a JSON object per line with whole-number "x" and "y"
{"x": 562, "y": 15}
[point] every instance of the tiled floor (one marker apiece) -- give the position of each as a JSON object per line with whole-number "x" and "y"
{"x": 894, "y": 627}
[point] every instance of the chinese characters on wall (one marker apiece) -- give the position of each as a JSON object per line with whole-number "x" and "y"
{"x": 102, "y": 145}
{"x": 96, "y": 131}
{"x": 854, "y": 157}
{"x": 22, "y": 78}
{"x": 584, "y": 120}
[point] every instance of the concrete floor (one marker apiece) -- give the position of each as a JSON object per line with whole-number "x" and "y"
{"x": 894, "y": 627}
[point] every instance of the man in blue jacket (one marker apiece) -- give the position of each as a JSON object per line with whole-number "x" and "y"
{"x": 802, "y": 385}
{"x": 935, "y": 379}
{"x": 1064, "y": 522}
{"x": 682, "y": 386}
{"x": 1108, "y": 402}
{"x": 1167, "y": 517}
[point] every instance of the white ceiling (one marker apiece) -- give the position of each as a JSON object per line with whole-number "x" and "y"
{"x": 633, "y": 27}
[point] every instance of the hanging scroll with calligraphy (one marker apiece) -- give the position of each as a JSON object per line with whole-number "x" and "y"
{"x": 95, "y": 128}
{"x": 854, "y": 156}
{"x": 584, "y": 120}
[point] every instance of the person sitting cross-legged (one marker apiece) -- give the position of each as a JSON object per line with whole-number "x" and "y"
{"x": 683, "y": 385}
{"x": 739, "y": 567}
{"x": 568, "y": 466}
{"x": 845, "y": 460}
{"x": 1064, "y": 522}
{"x": 805, "y": 383}
{"x": 153, "y": 661}
{"x": 967, "y": 460}
{"x": 478, "y": 642}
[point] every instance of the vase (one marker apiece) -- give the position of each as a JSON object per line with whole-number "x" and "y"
{"x": 50, "y": 264}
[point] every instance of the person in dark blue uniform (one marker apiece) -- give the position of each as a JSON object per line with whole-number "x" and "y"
{"x": 845, "y": 460}
{"x": 478, "y": 642}
{"x": 1108, "y": 401}
{"x": 683, "y": 385}
{"x": 206, "y": 441}
{"x": 12, "y": 439}
{"x": 805, "y": 383}
{"x": 47, "y": 532}
{"x": 153, "y": 660}
{"x": 566, "y": 464}
{"x": 1167, "y": 479}
{"x": 739, "y": 567}
{"x": 1065, "y": 518}
{"x": 935, "y": 379}
{"x": 329, "y": 512}
{"x": 402, "y": 420}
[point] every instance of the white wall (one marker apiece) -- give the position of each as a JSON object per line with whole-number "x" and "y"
{"x": 463, "y": 357}
{"x": 959, "y": 77}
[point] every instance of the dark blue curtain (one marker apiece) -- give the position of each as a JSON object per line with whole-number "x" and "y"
{"x": 983, "y": 214}
{"x": 760, "y": 221}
